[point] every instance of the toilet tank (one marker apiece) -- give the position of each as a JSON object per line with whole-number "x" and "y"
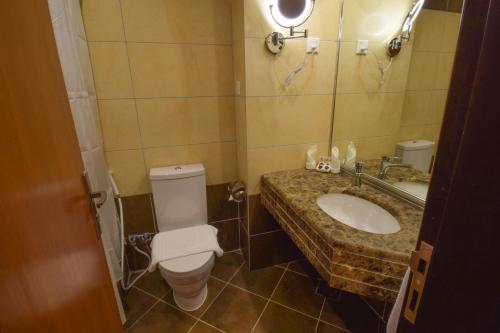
{"x": 418, "y": 153}
{"x": 179, "y": 196}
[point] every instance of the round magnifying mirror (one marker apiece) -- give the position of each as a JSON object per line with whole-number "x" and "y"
{"x": 291, "y": 9}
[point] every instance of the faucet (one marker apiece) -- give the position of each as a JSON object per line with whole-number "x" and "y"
{"x": 386, "y": 162}
{"x": 358, "y": 173}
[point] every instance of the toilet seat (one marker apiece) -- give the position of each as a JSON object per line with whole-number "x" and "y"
{"x": 186, "y": 264}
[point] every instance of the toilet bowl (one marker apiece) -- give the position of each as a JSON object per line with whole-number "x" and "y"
{"x": 188, "y": 276}
{"x": 179, "y": 197}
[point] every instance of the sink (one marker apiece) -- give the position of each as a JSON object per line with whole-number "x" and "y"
{"x": 358, "y": 213}
{"x": 417, "y": 189}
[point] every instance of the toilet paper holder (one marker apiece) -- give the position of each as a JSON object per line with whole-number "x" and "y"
{"x": 237, "y": 191}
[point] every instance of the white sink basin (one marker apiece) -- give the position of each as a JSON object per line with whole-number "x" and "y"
{"x": 358, "y": 213}
{"x": 417, "y": 189}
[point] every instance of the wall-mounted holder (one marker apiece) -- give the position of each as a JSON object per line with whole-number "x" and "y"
{"x": 290, "y": 15}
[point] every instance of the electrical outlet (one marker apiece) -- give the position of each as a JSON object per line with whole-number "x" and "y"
{"x": 312, "y": 45}
{"x": 362, "y": 47}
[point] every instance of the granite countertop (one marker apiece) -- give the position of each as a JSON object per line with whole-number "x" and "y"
{"x": 300, "y": 188}
{"x": 396, "y": 174}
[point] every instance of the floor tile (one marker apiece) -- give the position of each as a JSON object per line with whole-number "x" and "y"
{"x": 201, "y": 327}
{"x": 227, "y": 265}
{"x": 136, "y": 304}
{"x": 262, "y": 281}
{"x": 235, "y": 310}
{"x": 163, "y": 318}
{"x": 277, "y": 318}
{"x": 214, "y": 288}
{"x": 376, "y": 305}
{"x": 304, "y": 267}
{"x": 154, "y": 284}
{"x": 327, "y": 328}
{"x": 350, "y": 312}
{"x": 298, "y": 292}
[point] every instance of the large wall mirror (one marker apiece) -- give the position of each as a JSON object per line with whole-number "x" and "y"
{"x": 391, "y": 107}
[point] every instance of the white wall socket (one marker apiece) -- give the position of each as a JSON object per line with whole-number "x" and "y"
{"x": 362, "y": 47}
{"x": 312, "y": 45}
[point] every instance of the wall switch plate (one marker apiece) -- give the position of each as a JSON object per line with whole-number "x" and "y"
{"x": 362, "y": 47}
{"x": 312, "y": 45}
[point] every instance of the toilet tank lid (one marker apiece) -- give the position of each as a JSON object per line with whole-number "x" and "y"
{"x": 176, "y": 171}
{"x": 415, "y": 145}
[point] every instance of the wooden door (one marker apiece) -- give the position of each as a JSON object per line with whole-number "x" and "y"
{"x": 53, "y": 273}
{"x": 462, "y": 216}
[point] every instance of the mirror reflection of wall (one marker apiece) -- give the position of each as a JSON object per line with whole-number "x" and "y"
{"x": 380, "y": 102}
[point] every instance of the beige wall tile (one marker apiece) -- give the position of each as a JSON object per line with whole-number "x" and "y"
{"x": 238, "y": 20}
{"x": 367, "y": 115}
{"x": 323, "y": 22}
{"x": 241, "y": 121}
{"x": 451, "y": 31}
{"x": 241, "y": 152}
{"x": 119, "y": 124}
{"x": 265, "y": 72}
{"x": 182, "y": 121}
{"x": 103, "y": 20}
{"x": 374, "y": 20}
{"x": 411, "y": 133}
{"x": 219, "y": 159}
{"x": 273, "y": 121}
{"x": 429, "y": 30}
{"x": 416, "y": 108}
{"x": 265, "y": 160}
{"x": 178, "y": 21}
{"x": 437, "y": 106}
{"x": 360, "y": 73}
{"x": 445, "y": 67}
{"x": 423, "y": 68}
{"x": 129, "y": 171}
{"x": 111, "y": 70}
{"x": 173, "y": 70}
{"x": 239, "y": 66}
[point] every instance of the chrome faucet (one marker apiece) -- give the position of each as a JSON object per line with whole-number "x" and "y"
{"x": 358, "y": 174}
{"x": 387, "y": 162}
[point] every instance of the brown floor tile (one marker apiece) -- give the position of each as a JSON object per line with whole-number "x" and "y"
{"x": 262, "y": 281}
{"x": 227, "y": 265}
{"x": 350, "y": 312}
{"x": 375, "y": 305}
{"x": 327, "y": 328}
{"x": 214, "y": 287}
{"x": 298, "y": 292}
{"x": 154, "y": 284}
{"x": 304, "y": 267}
{"x": 163, "y": 318}
{"x": 136, "y": 304}
{"x": 201, "y": 327}
{"x": 277, "y": 318}
{"x": 234, "y": 310}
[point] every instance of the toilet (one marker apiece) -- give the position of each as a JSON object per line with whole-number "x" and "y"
{"x": 417, "y": 153}
{"x": 179, "y": 196}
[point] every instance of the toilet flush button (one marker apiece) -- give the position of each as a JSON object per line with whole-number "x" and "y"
{"x": 178, "y": 168}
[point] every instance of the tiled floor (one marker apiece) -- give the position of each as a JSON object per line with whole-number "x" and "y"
{"x": 277, "y": 299}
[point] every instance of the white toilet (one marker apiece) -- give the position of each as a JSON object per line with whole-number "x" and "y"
{"x": 418, "y": 153}
{"x": 179, "y": 196}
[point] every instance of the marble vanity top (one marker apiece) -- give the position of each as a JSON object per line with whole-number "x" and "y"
{"x": 335, "y": 249}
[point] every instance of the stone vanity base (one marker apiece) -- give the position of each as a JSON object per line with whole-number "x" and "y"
{"x": 342, "y": 269}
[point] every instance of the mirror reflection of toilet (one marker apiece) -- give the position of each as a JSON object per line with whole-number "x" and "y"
{"x": 179, "y": 196}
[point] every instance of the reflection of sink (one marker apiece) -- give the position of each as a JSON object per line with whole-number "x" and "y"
{"x": 358, "y": 213}
{"x": 417, "y": 189}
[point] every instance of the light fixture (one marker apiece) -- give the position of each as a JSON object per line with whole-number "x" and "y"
{"x": 288, "y": 14}
{"x": 395, "y": 44}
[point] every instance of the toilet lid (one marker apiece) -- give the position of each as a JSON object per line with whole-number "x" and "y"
{"x": 187, "y": 263}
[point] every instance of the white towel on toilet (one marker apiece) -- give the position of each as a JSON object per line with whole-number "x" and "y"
{"x": 183, "y": 242}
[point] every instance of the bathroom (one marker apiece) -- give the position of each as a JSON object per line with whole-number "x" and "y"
{"x": 249, "y": 166}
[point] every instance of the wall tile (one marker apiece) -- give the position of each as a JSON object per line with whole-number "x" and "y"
{"x": 103, "y": 20}
{"x": 228, "y": 234}
{"x": 174, "y": 70}
{"x": 272, "y": 248}
{"x": 429, "y": 31}
{"x": 129, "y": 171}
{"x": 451, "y": 31}
{"x": 119, "y": 124}
{"x": 218, "y": 205}
{"x": 359, "y": 74}
{"x": 242, "y": 162}
{"x": 423, "y": 68}
{"x": 111, "y": 70}
{"x": 265, "y": 72}
{"x": 240, "y": 120}
{"x": 219, "y": 159}
{"x": 416, "y": 108}
{"x": 444, "y": 70}
{"x": 259, "y": 219}
{"x": 373, "y": 20}
{"x": 181, "y": 121}
{"x": 178, "y": 21}
{"x": 273, "y": 121}
{"x": 138, "y": 214}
